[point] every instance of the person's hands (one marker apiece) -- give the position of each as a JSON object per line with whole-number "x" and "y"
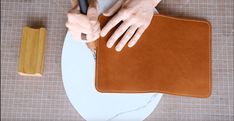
{"x": 87, "y": 24}
{"x": 136, "y": 16}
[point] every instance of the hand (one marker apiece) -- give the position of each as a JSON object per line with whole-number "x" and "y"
{"x": 136, "y": 16}
{"x": 87, "y": 24}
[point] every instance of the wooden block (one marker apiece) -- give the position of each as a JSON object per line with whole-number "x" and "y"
{"x": 31, "y": 58}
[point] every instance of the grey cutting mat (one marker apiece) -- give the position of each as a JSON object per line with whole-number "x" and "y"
{"x": 36, "y": 99}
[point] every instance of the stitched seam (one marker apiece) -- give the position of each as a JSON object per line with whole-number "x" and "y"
{"x": 184, "y": 94}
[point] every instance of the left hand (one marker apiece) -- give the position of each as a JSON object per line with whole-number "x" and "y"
{"x": 136, "y": 16}
{"x": 87, "y": 24}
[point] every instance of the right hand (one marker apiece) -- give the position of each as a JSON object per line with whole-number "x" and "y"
{"x": 135, "y": 16}
{"x": 87, "y": 24}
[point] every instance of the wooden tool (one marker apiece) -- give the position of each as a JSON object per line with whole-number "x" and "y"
{"x": 31, "y": 57}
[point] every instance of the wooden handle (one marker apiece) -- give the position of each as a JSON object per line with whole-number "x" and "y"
{"x": 92, "y": 46}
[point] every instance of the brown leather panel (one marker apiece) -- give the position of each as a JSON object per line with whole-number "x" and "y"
{"x": 173, "y": 56}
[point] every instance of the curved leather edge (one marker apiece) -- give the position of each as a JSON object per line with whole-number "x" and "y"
{"x": 159, "y": 91}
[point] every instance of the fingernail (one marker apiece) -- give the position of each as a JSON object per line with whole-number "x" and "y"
{"x": 105, "y": 14}
{"x": 109, "y": 45}
{"x": 110, "y": 42}
{"x": 118, "y": 49}
{"x": 102, "y": 34}
{"x": 130, "y": 44}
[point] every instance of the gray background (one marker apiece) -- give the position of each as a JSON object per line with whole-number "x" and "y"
{"x": 36, "y": 99}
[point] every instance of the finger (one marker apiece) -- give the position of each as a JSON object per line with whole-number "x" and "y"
{"x": 92, "y": 46}
{"x": 136, "y": 37}
{"x": 92, "y": 37}
{"x": 96, "y": 35}
{"x": 96, "y": 27}
{"x": 96, "y": 30}
{"x": 118, "y": 32}
{"x": 79, "y": 19}
{"x": 93, "y": 11}
{"x": 113, "y": 9}
{"x": 75, "y": 35}
{"x": 113, "y": 22}
{"x": 130, "y": 32}
{"x": 77, "y": 28}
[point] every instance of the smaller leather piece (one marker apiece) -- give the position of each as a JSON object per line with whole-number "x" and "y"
{"x": 173, "y": 56}
{"x": 31, "y": 57}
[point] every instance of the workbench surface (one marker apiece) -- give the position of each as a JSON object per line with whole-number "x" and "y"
{"x": 33, "y": 98}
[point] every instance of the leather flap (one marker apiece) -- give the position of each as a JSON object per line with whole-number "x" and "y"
{"x": 173, "y": 56}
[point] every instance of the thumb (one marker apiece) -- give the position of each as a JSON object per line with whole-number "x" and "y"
{"x": 111, "y": 11}
{"x": 93, "y": 11}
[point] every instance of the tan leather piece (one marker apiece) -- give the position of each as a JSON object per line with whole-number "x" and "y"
{"x": 173, "y": 56}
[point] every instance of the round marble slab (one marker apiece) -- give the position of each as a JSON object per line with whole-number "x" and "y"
{"x": 78, "y": 72}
